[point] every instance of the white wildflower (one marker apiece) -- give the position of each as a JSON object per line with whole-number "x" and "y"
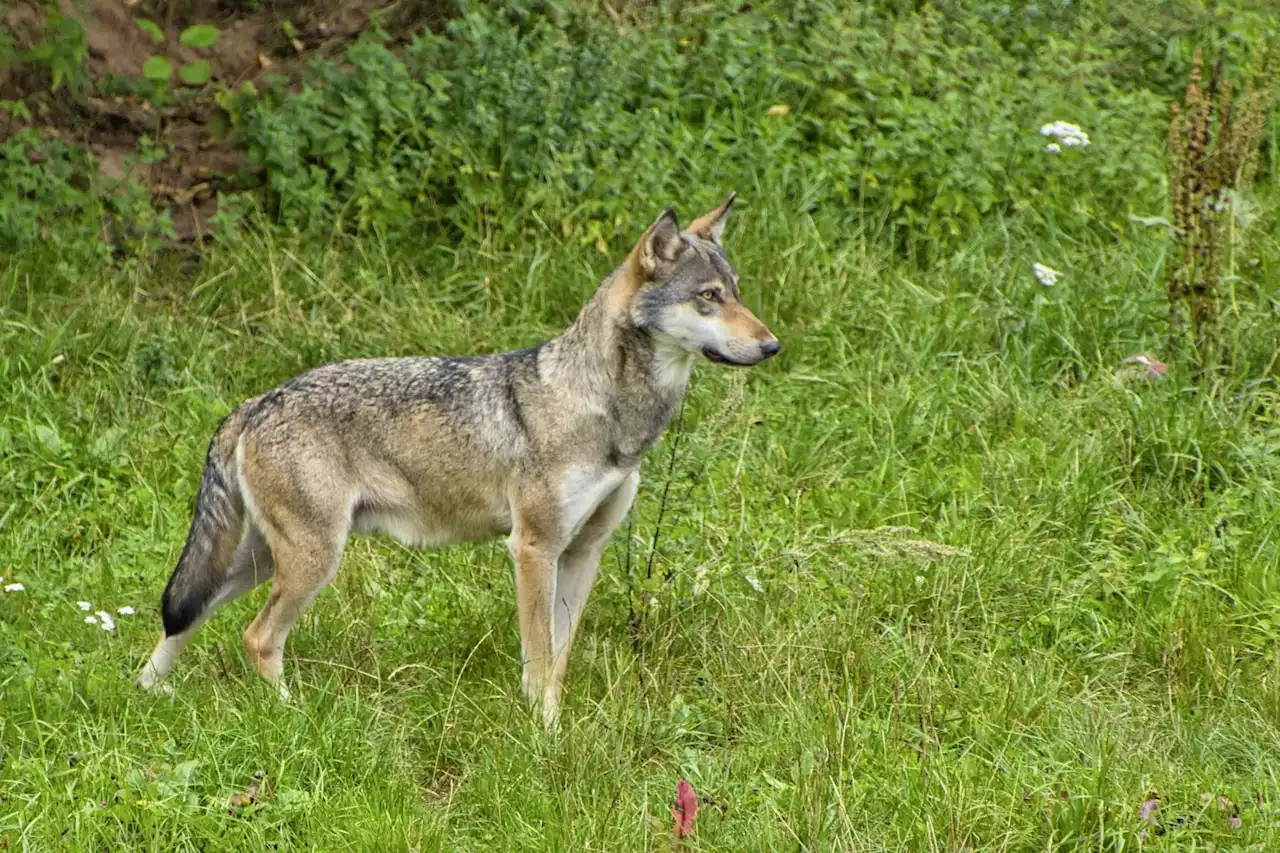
{"x": 91, "y": 620}
{"x": 1053, "y": 148}
{"x": 1070, "y": 134}
{"x": 125, "y": 611}
{"x": 84, "y": 605}
{"x": 1047, "y": 276}
{"x": 108, "y": 624}
{"x": 14, "y": 587}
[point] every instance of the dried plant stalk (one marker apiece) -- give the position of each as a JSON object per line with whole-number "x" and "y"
{"x": 1212, "y": 158}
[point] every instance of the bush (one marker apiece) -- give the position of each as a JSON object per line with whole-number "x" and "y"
{"x": 47, "y": 198}
{"x": 507, "y": 120}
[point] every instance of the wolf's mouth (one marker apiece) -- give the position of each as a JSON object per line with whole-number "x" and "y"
{"x": 720, "y": 358}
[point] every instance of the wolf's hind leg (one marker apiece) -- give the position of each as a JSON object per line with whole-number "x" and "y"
{"x": 305, "y": 563}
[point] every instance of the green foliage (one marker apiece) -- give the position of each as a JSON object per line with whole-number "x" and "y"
{"x": 158, "y": 69}
{"x": 199, "y": 36}
{"x": 195, "y": 73}
{"x": 49, "y": 198}
{"x": 926, "y": 122}
{"x": 43, "y": 197}
{"x": 151, "y": 28}
{"x": 61, "y": 50}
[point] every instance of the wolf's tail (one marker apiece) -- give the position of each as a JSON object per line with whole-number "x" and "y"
{"x": 215, "y": 532}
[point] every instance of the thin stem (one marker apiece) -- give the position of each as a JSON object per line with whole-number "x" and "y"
{"x": 666, "y": 488}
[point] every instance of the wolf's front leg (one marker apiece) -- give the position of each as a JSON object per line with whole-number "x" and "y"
{"x": 536, "y": 557}
{"x": 577, "y": 572}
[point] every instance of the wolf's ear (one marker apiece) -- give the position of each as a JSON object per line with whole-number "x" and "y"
{"x": 661, "y": 242}
{"x": 710, "y": 225}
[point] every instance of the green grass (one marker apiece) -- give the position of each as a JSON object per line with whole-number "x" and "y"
{"x": 929, "y": 580}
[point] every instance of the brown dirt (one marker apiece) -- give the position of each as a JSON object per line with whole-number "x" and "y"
{"x": 251, "y": 46}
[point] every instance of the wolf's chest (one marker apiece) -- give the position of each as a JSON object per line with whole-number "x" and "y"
{"x": 581, "y": 493}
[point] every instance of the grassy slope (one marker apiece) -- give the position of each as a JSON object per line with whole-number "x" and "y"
{"x": 1099, "y": 642}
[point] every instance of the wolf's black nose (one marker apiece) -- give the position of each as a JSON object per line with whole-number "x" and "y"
{"x": 770, "y": 347}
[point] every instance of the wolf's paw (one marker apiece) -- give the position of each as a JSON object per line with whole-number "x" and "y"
{"x": 151, "y": 682}
{"x": 151, "y": 685}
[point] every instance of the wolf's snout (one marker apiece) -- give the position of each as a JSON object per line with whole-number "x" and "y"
{"x": 770, "y": 347}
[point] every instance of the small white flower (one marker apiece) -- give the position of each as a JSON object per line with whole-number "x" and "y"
{"x": 125, "y": 611}
{"x": 84, "y": 605}
{"x": 14, "y": 587}
{"x": 108, "y": 624}
{"x": 1045, "y": 275}
{"x": 1069, "y": 133}
{"x": 1053, "y": 148}
{"x": 91, "y": 620}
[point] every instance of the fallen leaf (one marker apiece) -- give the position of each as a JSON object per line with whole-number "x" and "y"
{"x": 685, "y": 808}
{"x": 1147, "y": 813}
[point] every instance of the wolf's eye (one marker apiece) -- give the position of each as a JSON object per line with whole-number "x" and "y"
{"x": 710, "y": 294}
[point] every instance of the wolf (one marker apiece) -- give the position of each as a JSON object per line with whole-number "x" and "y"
{"x": 541, "y": 445}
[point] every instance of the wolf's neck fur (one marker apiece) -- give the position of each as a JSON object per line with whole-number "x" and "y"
{"x": 604, "y": 358}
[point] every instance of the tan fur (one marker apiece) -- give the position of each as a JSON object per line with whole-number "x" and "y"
{"x": 542, "y": 446}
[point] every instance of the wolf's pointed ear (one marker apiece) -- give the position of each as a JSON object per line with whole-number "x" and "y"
{"x": 710, "y": 225}
{"x": 661, "y": 242}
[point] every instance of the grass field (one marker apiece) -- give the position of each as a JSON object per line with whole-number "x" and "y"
{"x": 930, "y": 580}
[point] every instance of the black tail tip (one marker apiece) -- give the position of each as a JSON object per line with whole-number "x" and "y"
{"x": 178, "y": 611}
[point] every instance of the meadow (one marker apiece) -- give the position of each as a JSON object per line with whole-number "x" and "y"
{"x": 940, "y": 576}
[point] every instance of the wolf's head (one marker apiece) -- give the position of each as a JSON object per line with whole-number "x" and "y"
{"x": 688, "y": 292}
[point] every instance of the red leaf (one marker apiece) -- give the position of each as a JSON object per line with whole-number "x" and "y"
{"x": 685, "y": 808}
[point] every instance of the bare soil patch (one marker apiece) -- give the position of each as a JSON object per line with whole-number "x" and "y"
{"x": 256, "y": 40}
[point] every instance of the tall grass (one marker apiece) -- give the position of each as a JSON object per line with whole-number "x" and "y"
{"x": 933, "y": 579}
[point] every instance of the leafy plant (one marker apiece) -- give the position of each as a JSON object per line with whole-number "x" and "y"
{"x": 928, "y": 124}
{"x": 46, "y": 198}
{"x": 159, "y": 69}
{"x": 61, "y": 49}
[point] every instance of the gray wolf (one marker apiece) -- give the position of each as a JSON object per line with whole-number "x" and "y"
{"x": 542, "y": 446}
